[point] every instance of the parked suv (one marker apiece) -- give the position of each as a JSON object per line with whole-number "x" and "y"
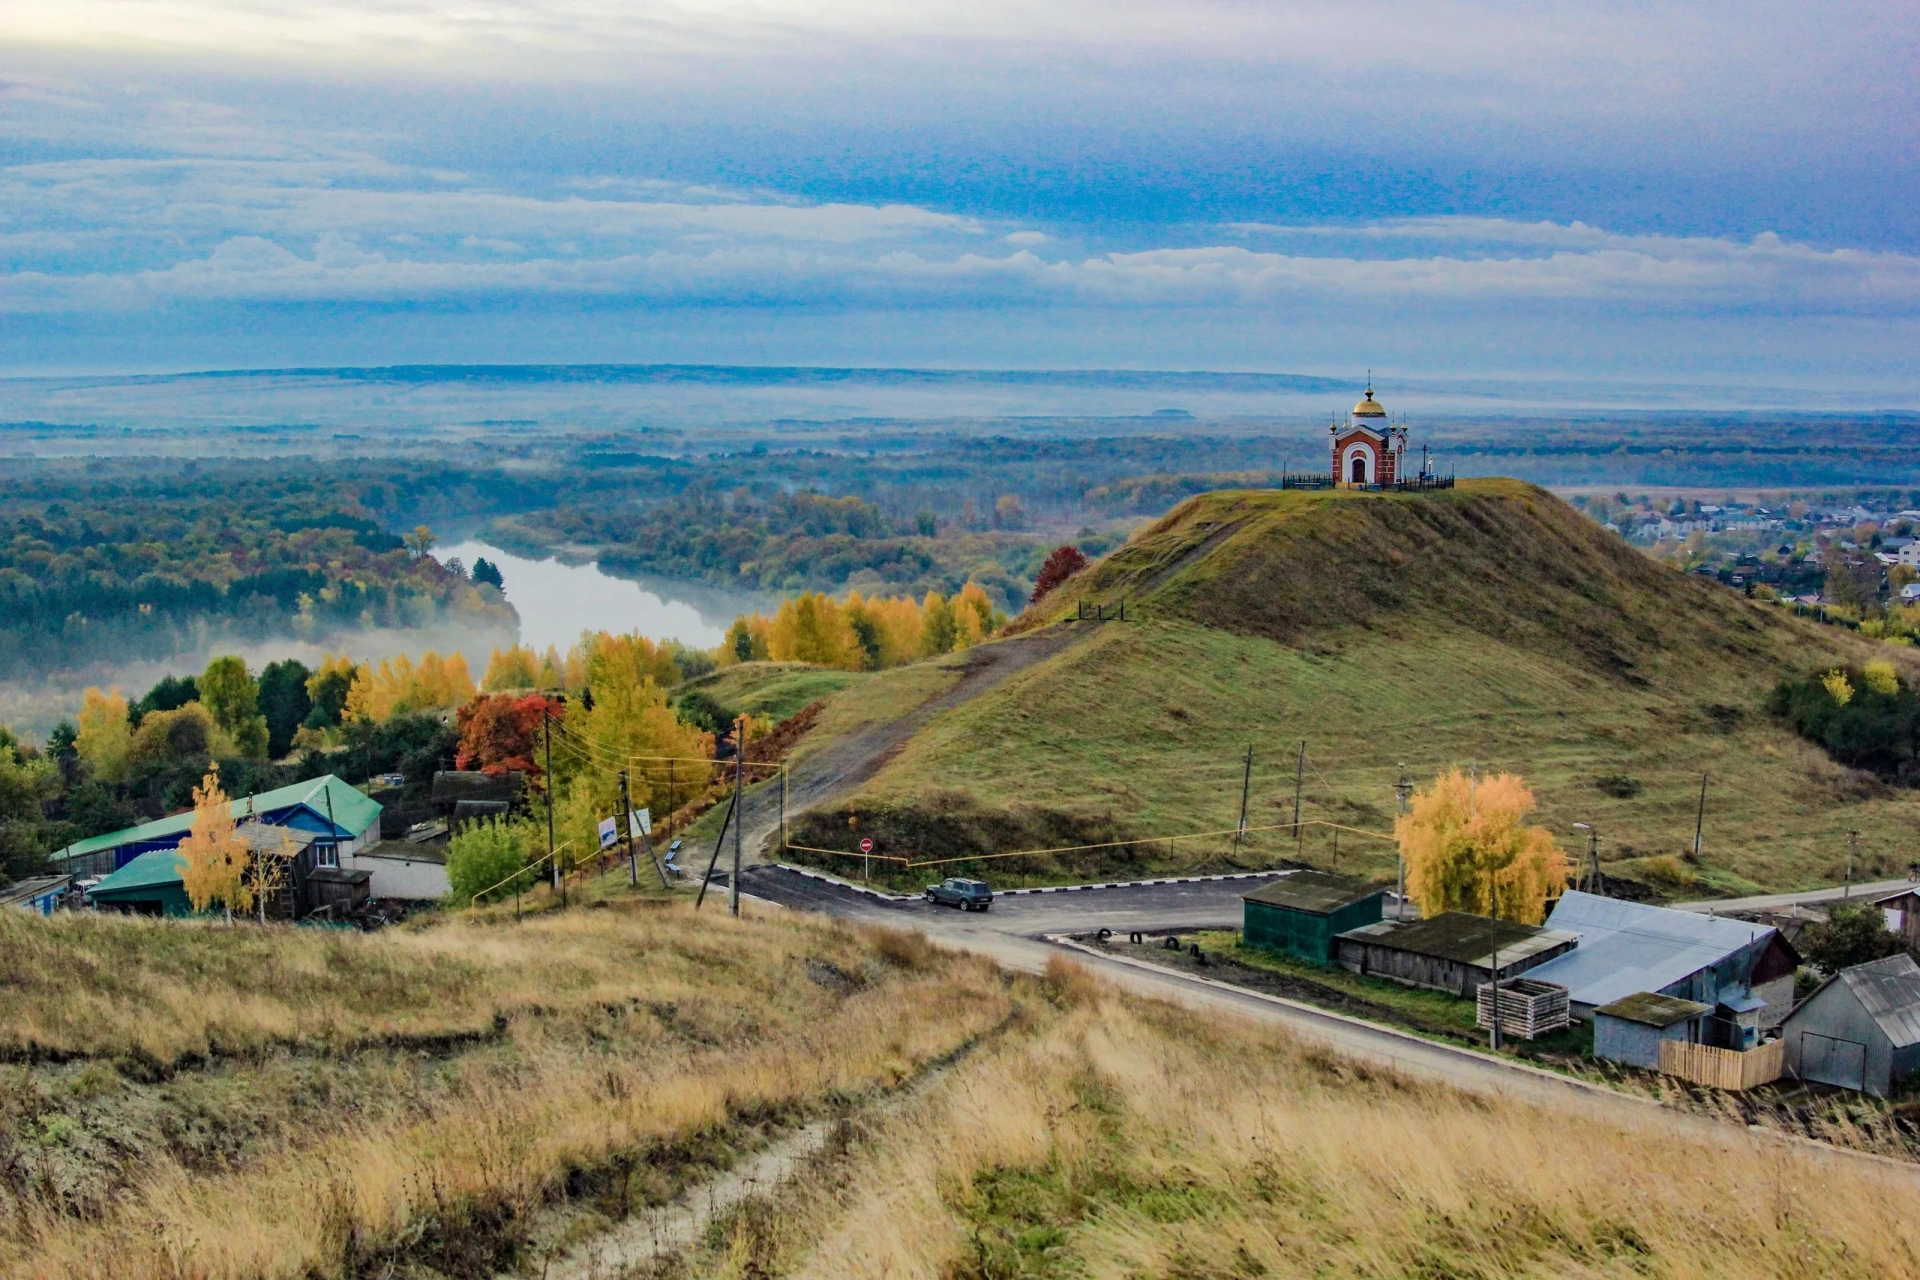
{"x": 968, "y": 895}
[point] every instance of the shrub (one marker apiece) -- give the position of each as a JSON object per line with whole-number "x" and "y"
{"x": 1866, "y": 718}
{"x": 482, "y": 856}
{"x": 1853, "y": 933}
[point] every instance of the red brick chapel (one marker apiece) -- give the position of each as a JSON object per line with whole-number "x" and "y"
{"x": 1369, "y": 451}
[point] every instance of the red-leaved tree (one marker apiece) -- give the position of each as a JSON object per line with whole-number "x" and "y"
{"x": 500, "y": 732}
{"x": 1061, "y": 565}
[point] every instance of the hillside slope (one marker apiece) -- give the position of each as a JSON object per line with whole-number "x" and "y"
{"x": 1488, "y": 625}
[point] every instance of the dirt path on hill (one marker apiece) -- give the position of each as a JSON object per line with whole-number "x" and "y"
{"x": 839, "y": 768}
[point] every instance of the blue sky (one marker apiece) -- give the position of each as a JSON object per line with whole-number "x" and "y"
{"x": 1634, "y": 191}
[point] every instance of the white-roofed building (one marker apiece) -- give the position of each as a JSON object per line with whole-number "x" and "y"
{"x": 1627, "y": 948}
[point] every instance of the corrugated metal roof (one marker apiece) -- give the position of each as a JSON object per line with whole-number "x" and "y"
{"x": 353, "y": 811}
{"x": 1653, "y": 1010}
{"x": 1464, "y": 938}
{"x": 1629, "y": 947}
{"x": 152, "y": 870}
{"x": 1889, "y": 990}
{"x": 1316, "y": 892}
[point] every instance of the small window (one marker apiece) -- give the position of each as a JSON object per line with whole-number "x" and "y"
{"x": 326, "y": 855}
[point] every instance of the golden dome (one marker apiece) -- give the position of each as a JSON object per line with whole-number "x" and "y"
{"x": 1369, "y": 407}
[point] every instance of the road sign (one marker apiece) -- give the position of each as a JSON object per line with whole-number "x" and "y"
{"x": 866, "y": 846}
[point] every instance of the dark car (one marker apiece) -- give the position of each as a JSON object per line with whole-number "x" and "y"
{"x": 968, "y": 895}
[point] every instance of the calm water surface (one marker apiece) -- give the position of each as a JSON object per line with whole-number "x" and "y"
{"x": 558, "y": 601}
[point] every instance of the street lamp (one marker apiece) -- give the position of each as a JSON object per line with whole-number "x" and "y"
{"x": 1402, "y": 790}
{"x": 1593, "y": 855}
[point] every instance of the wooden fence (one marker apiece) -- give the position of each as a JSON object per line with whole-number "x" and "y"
{"x": 1723, "y": 1068}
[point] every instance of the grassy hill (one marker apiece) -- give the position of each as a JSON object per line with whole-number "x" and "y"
{"x": 1489, "y": 625}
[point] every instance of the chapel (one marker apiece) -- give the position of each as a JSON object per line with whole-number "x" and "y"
{"x": 1369, "y": 451}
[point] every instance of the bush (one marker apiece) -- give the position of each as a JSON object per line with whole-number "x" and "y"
{"x": 1853, "y": 933}
{"x": 1867, "y": 718}
{"x": 482, "y": 856}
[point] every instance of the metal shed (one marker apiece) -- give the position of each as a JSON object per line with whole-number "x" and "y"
{"x": 1629, "y": 947}
{"x": 1631, "y": 1028}
{"x": 150, "y": 885}
{"x": 1453, "y": 952}
{"x": 1860, "y": 1030}
{"x": 1302, "y": 912}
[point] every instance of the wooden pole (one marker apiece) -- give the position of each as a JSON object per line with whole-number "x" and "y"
{"x": 626, "y": 820}
{"x": 1299, "y": 778}
{"x": 1246, "y": 788}
{"x": 739, "y": 781}
{"x": 1700, "y": 816}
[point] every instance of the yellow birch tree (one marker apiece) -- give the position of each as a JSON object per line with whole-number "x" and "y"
{"x": 213, "y": 857}
{"x": 1468, "y": 848}
{"x": 105, "y": 739}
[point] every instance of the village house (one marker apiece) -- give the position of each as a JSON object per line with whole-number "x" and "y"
{"x": 1454, "y": 952}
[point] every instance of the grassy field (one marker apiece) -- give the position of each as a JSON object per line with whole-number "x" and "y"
{"x": 229, "y": 1108}
{"x": 772, "y": 690}
{"x": 193, "y": 1100}
{"x": 1125, "y": 1139}
{"x": 1610, "y": 682}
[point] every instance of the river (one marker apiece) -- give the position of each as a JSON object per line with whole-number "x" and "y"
{"x": 557, "y": 601}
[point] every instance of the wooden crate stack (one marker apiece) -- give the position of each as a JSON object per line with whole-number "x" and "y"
{"x": 1528, "y": 1009}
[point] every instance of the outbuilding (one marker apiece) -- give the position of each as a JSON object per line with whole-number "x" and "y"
{"x": 1860, "y": 1030}
{"x": 150, "y": 885}
{"x": 1302, "y": 912}
{"x": 1631, "y": 1028}
{"x": 1627, "y": 948}
{"x": 39, "y": 894}
{"x": 1454, "y": 952}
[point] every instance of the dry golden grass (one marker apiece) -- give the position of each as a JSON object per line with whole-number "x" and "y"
{"x": 627, "y": 1034}
{"x": 1128, "y": 1139}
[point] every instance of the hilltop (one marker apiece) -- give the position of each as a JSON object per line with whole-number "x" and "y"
{"x": 1488, "y": 625}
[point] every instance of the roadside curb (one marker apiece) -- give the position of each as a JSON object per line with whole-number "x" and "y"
{"x": 824, "y": 878}
{"x": 883, "y": 896}
{"x": 1137, "y": 884}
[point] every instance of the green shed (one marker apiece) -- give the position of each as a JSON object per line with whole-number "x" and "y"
{"x": 150, "y": 885}
{"x": 1302, "y": 912}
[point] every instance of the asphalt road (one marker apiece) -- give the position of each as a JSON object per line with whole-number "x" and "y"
{"x": 1780, "y": 901}
{"x": 1015, "y": 933}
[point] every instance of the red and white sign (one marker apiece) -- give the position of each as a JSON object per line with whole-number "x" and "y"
{"x": 866, "y": 846}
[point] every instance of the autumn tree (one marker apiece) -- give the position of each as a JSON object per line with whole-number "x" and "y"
{"x": 105, "y": 739}
{"x": 213, "y": 857}
{"x": 501, "y": 732}
{"x": 185, "y": 733}
{"x": 1468, "y": 848}
{"x": 228, "y": 692}
{"x": 1060, "y": 565}
{"x": 420, "y": 541}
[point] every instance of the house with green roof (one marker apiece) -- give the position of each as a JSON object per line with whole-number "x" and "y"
{"x": 325, "y": 820}
{"x": 341, "y": 817}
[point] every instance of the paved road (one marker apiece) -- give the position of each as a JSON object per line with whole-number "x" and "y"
{"x": 1781, "y": 901}
{"x": 1012, "y": 933}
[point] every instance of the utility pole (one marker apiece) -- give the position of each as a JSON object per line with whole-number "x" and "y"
{"x": 1700, "y": 817}
{"x": 1853, "y": 843}
{"x": 553, "y": 863}
{"x": 1401, "y": 791}
{"x": 626, "y": 819}
{"x": 1299, "y": 777}
{"x": 1496, "y": 997}
{"x": 1590, "y": 872}
{"x": 1246, "y": 788}
{"x": 783, "y": 808}
{"x": 739, "y": 781}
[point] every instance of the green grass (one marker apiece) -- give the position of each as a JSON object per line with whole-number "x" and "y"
{"x": 1418, "y": 1005}
{"x": 1570, "y": 661}
{"x": 773, "y": 690}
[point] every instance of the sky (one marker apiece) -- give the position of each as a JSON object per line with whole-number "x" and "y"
{"x": 1637, "y": 191}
